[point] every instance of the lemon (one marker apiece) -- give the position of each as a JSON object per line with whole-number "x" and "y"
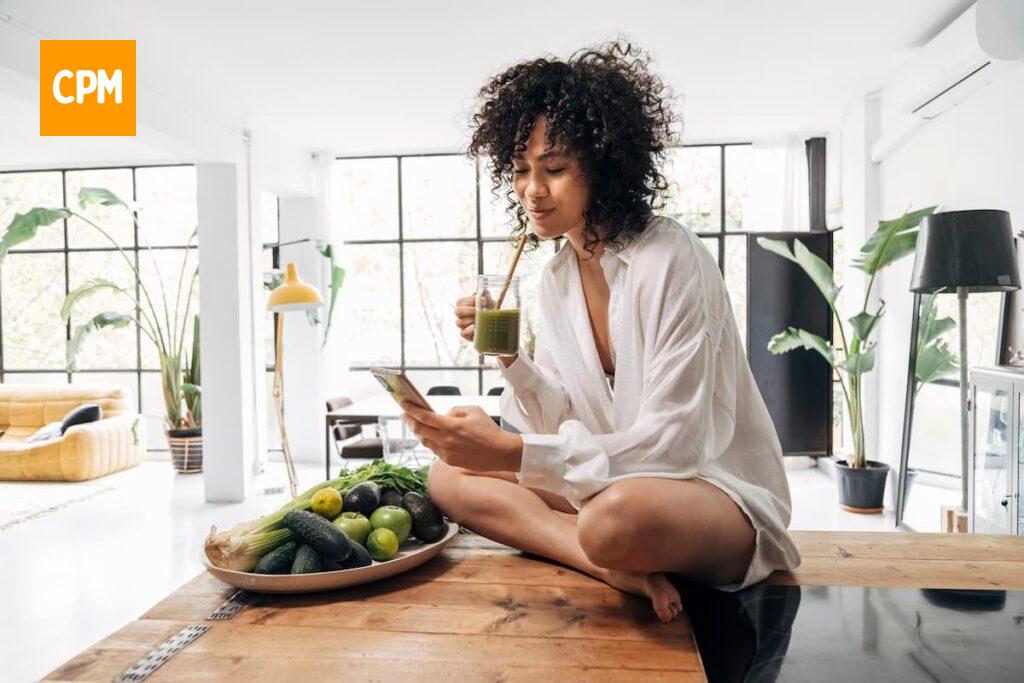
{"x": 382, "y": 544}
{"x": 327, "y": 503}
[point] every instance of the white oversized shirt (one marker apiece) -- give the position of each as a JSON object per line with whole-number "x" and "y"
{"x": 684, "y": 402}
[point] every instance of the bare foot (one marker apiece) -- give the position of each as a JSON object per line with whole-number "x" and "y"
{"x": 663, "y": 595}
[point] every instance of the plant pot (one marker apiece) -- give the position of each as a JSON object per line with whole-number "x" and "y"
{"x": 186, "y": 449}
{"x": 862, "y": 489}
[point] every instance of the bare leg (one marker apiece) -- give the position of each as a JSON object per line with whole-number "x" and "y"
{"x": 496, "y": 506}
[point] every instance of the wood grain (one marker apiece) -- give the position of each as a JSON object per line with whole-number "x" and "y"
{"x": 483, "y": 611}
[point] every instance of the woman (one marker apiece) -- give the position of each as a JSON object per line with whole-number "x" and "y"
{"x": 645, "y": 447}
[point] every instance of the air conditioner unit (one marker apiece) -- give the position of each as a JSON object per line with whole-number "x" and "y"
{"x": 950, "y": 68}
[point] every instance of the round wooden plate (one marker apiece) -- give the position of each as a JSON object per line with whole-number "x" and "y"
{"x": 412, "y": 554}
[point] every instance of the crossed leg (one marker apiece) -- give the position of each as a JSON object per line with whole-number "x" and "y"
{"x": 628, "y": 535}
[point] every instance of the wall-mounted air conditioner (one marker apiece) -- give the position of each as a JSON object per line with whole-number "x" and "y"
{"x": 952, "y": 66}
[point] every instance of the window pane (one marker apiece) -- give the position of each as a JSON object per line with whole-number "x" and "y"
{"x": 126, "y": 381}
{"x": 268, "y": 218}
{"x": 154, "y": 411}
{"x": 436, "y": 275}
{"x": 498, "y": 257}
{"x": 492, "y": 378}
{"x": 737, "y": 190}
{"x": 33, "y": 292}
{"x": 371, "y": 288}
{"x": 365, "y": 197}
{"x": 164, "y": 280}
{"x": 114, "y": 220}
{"x": 712, "y": 244}
{"x": 167, "y": 204}
{"x": 465, "y": 380}
{"x": 43, "y": 378}
{"x": 495, "y": 220}
{"x": 694, "y": 196}
{"x": 20, "y": 192}
{"x": 736, "y": 280}
{"x": 438, "y": 197}
{"x": 108, "y": 347}
{"x": 935, "y": 434}
{"x": 838, "y": 410}
{"x": 983, "y": 309}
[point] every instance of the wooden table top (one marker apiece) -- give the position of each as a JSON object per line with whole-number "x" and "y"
{"x": 482, "y": 611}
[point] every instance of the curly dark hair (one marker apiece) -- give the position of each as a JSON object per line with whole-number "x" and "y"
{"x": 605, "y": 108}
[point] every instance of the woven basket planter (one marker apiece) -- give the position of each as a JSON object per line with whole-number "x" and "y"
{"x": 186, "y": 449}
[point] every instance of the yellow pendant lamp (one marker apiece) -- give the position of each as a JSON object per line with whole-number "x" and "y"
{"x": 291, "y": 295}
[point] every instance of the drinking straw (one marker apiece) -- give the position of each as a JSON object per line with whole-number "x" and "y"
{"x": 512, "y": 269}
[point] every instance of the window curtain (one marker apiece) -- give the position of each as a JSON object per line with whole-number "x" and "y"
{"x": 778, "y": 185}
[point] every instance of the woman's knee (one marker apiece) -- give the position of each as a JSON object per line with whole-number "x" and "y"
{"x": 610, "y": 530}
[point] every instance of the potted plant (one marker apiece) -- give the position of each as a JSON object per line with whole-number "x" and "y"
{"x": 166, "y": 327}
{"x": 861, "y": 481}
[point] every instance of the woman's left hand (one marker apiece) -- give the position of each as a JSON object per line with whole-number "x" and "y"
{"x": 466, "y": 437}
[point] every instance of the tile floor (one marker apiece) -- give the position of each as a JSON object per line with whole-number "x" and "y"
{"x": 72, "y": 576}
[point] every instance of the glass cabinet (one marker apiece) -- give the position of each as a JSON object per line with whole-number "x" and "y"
{"x": 997, "y": 448}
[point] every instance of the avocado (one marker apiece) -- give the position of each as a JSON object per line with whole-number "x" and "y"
{"x": 363, "y": 498}
{"x": 427, "y": 522}
{"x": 391, "y": 496}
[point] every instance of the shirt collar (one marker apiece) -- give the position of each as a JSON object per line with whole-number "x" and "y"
{"x": 623, "y": 253}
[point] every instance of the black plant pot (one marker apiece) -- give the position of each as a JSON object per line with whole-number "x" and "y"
{"x": 186, "y": 449}
{"x": 862, "y": 489}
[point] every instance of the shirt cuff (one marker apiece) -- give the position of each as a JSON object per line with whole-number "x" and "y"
{"x": 543, "y": 462}
{"x": 522, "y": 372}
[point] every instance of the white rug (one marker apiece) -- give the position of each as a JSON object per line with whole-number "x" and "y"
{"x": 24, "y": 501}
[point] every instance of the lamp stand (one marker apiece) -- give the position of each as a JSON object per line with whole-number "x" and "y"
{"x": 965, "y": 456}
{"x": 279, "y": 404}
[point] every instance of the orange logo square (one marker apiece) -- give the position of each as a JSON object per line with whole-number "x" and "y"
{"x": 87, "y": 87}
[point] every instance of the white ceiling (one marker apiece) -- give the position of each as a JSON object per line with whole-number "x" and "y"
{"x": 400, "y": 76}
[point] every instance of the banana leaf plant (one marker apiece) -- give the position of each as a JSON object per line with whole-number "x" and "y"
{"x": 856, "y": 353}
{"x": 272, "y": 278}
{"x": 935, "y": 359}
{"x": 166, "y": 327}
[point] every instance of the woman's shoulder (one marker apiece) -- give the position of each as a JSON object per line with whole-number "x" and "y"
{"x": 666, "y": 246}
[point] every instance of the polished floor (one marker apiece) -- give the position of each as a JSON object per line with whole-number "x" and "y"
{"x": 74, "y": 574}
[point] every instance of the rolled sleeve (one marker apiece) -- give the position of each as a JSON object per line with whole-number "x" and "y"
{"x": 543, "y": 463}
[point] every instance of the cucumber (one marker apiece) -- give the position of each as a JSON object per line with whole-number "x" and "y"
{"x": 358, "y": 558}
{"x": 307, "y": 561}
{"x": 314, "y": 530}
{"x": 278, "y": 560}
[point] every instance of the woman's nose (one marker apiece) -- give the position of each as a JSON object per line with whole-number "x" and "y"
{"x": 535, "y": 189}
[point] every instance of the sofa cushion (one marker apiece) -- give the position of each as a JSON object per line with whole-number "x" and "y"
{"x": 87, "y": 412}
{"x": 49, "y": 431}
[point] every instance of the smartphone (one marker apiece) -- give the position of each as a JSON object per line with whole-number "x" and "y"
{"x": 401, "y": 388}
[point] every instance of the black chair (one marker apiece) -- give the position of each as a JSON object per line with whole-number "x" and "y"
{"x": 366, "y": 447}
{"x": 444, "y": 390}
{"x": 495, "y": 391}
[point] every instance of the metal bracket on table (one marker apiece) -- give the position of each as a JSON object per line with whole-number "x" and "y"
{"x": 231, "y": 606}
{"x": 155, "y": 658}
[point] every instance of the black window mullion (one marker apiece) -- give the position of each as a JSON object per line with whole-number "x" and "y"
{"x": 138, "y": 300}
{"x": 67, "y": 270}
{"x": 721, "y": 209}
{"x": 401, "y": 268}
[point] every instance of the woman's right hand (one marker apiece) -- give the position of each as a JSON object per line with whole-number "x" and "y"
{"x": 465, "y": 317}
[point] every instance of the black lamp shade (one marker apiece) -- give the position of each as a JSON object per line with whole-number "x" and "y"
{"x": 972, "y": 249}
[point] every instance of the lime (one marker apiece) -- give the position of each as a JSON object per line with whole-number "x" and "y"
{"x": 327, "y": 503}
{"x": 395, "y": 518}
{"x": 382, "y": 544}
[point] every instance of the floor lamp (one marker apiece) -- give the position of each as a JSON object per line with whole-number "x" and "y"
{"x": 291, "y": 295}
{"x": 965, "y": 251}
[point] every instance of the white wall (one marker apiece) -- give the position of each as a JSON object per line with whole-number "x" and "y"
{"x": 971, "y": 157}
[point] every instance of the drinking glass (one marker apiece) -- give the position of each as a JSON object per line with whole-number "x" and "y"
{"x": 497, "y": 330}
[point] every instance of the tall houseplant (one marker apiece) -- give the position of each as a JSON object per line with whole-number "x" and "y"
{"x": 165, "y": 326}
{"x": 856, "y": 352}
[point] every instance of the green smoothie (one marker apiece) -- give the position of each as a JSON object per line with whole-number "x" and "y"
{"x": 497, "y": 332}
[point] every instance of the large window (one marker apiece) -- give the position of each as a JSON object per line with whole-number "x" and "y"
{"x": 37, "y": 276}
{"x": 418, "y": 229}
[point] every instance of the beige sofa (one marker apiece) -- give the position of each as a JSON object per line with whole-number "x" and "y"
{"x": 85, "y": 451}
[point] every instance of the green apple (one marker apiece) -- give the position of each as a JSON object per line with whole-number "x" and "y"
{"x": 395, "y": 518}
{"x": 355, "y": 525}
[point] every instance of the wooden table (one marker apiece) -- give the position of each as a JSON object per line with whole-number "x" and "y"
{"x": 370, "y": 410}
{"x": 482, "y": 611}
